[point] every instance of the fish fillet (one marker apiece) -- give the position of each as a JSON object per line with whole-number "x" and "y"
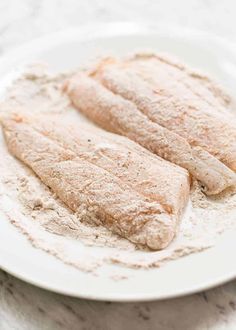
{"x": 114, "y": 112}
{"x": 103, "y": 177}
{"x": 175, "y": 100}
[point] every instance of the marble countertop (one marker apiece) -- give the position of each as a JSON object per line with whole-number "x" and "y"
{"x": 23, "y": 306}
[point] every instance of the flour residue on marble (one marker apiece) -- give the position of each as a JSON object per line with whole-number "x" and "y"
{"x": 50, "y": 226}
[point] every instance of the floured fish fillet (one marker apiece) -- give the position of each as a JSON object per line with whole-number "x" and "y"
{"x": 174, "y": 98}
{"x": 114, "y": 108}
{"x": 105, "y": 178}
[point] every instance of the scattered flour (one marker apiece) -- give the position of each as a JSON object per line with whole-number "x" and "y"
{"x": 50, "y": 226}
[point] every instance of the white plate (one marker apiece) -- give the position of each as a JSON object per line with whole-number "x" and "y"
{"x": 187, "y": 275}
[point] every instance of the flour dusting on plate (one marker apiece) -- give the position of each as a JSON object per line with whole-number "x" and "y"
{"x": 50, "y": 226}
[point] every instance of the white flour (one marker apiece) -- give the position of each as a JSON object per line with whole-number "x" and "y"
{"x": 51, "y": 226}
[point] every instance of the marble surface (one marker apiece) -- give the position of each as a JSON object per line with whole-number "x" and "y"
{"x": 23, "y": 306}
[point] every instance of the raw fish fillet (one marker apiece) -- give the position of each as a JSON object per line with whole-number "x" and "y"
{"x": 124, "y": 103}
{"x": 105, "y": 178}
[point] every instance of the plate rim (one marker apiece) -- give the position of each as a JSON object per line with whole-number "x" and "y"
{"x": 102, "y": 29}
{"x": 123, "y": 298}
